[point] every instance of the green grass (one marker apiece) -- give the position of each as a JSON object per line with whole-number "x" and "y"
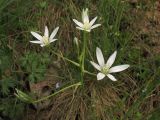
{"x": 135, "y": 96}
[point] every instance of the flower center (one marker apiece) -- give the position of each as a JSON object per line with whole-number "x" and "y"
{"x": 45, "y": 40}
{"x": 86, "y": 26}
{"x": 105, "y": 70}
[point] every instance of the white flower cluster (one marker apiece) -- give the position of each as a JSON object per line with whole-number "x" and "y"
{"x": 86, "y": 25}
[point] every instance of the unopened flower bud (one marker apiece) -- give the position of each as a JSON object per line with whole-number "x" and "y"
{"x": 76, "y": 41}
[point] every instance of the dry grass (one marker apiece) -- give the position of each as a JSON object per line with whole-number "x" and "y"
{"x": 88, "y": 103}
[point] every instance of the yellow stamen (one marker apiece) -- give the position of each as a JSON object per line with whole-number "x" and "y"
{"x": 105, "y": 70}
{"x": 45, "y": 40}
{"x": 86, "y": 26}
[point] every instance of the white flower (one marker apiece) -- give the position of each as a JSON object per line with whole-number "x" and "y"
{"x": 105, "y": 68}
{"x": 86, "y": 25}
{"x": 45, "y": 39}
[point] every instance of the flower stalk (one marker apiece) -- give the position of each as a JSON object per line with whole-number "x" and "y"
{"x": 82, "y": 56}
{"x": 26, "y": 98}
{"x": 63, "y": 89}
{"x": 73, "y": 62}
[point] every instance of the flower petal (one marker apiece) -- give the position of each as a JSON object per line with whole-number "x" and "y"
{"x": 111, "y": 77}
{"x": 88, "y": 30}
{"x": 57, "y": 85}
{"x": 36, "y": 35}
{"x": 95, "y": 65}
{"x": 100, "y": 57}
{"x": 46, "y": 32}
{"x": 96, "y": 25}
{"x": 79, "y": 28}
{"x": 78, "y": 23}
{"x": 42, "y": 45}
{"x": 53, "y": 40}
{"x": 118, "y": 68}
{"x": 93, "y": 21}
{"x": 100, "y": 76}
{"x": 85, "y": 17}
{"x": 54, "y": 33}
{"x": 111, "y": 59}
{"x": 37, "y": 42}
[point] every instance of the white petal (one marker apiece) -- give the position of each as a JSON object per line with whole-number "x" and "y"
{"x": 78, "y": 23}
{"x": 36, "y": 35}
{"x": 88, "y": 30}
{"x": 37, "y": 42}
{"x": 54, "y": 33}
{"x": 53, "y": 40}
{"x": 100, "y": 57}
{"x": 111, "y": 59}
{"x": 93, "y": 21}
{"x": 100, "y": 76}
{"x": 85, "y": 17}
{"x": 84, "y": 13}
{"x": 46, "y": 32}
{"x": 79, "y": 28}
{"x": 118, "y": 68}
{"x": 112, "y": 77}
{"x": 96, "y": 25}
{"x": 95, "y": 65}
{"x": 57, "y": 85}
{"x": 42, "y": 45}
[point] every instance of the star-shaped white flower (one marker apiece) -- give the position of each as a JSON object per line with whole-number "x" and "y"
{"x": 86, "y": 25}
{"x": 45, "y": 39}
{"x": 105, "y": 68}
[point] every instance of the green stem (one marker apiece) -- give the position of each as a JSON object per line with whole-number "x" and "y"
{"x": 74, "y": 63}
{"x": 59, "y": 55}
{"x": 82, "y": 57}
{"x": 49, "y": 96}
{"x": 85, "y": 71}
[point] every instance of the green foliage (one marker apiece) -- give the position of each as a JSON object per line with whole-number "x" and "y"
{"x": 6, "y": 84}
{"x": 4, "y": 4}
{"x": 35, "y": 65}
{"x": 43, "y": 4}
{"x": 155, "y": 114}
{"x": 10, "y": 108}
{"x": 6, "y": 81}
{"x": 5, "y": 59}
